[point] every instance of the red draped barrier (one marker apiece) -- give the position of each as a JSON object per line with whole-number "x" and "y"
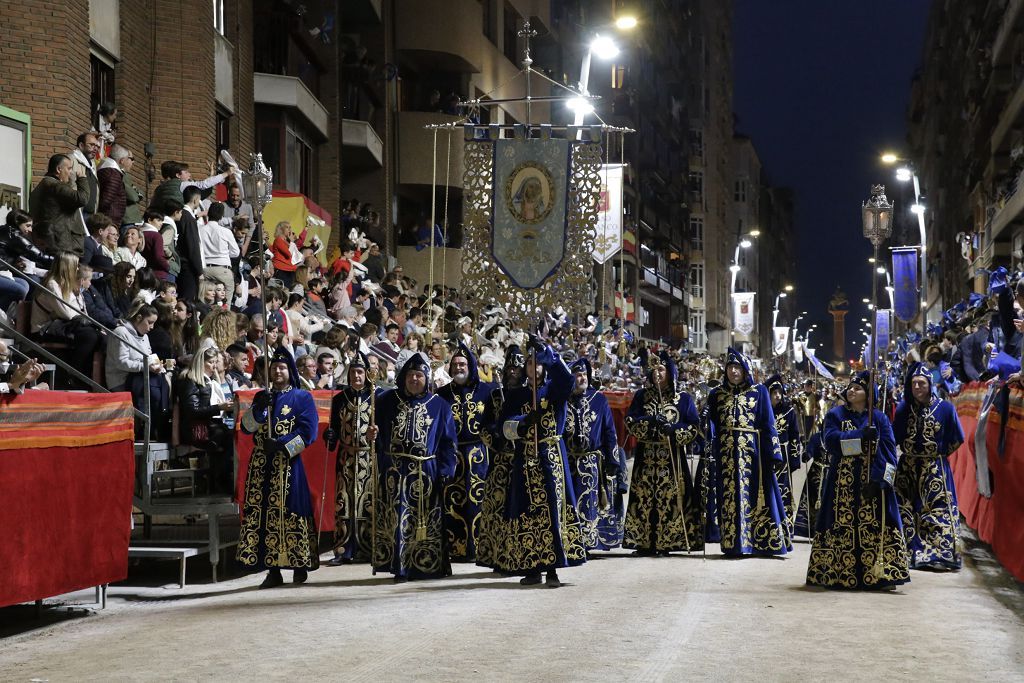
{"x": 619, "y": 402}
{"x": 999, "y": 520}
{"x": 315, "y": 459}
{"x": 67, "y": 467}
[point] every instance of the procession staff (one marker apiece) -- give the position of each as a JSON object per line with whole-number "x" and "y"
{"x": 928, "y": 431}
{"x": 534, "y": 526}
{"x": 859, "y": 542}
{"x": 664, "y": 512}
{"x": 810, "y": 408}
{"x": 278, "y": 530}
{"x": 464, "y": 494}
{"x": 594, "y": 464}
{"x": 790, "y": 443}
{"x": 416, "y": 456}
{"x": 352, "y": 428}
{"x": 746, "y": 449}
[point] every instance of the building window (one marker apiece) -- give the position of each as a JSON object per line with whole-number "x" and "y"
{"x": 697, "y": 330}
{"x": 487, "y": 10}
{"x": 697, "y": 142}
{"x": 697, "y": 185}
{"x": 697, "y": 280}
{"x": 618, "y": 76}
{"x": 298, "y": 163}
{"x": 697, "y": 233}
{"x": 739, "y": 192}
{"x": 223, "y": 129}
{"x": 218, "y": 16}
{"x": 102, "y": 85}
{"x": 511, "y": 34}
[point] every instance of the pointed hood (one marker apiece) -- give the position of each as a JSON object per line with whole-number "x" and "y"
{"x": 282, "y": 355}
{"x": 417, "y": 361}
{"x": 916, "y": 370}
{"x": 732, "y": 356}
{"x": 464, "y": 352}
{"x": 663, "y": 359}
{"x": 583, "y": 364}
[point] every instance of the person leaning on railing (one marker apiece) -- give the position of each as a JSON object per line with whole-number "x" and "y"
{"x": 202, "y": 404}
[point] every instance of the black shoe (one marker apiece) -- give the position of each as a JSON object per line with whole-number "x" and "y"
{"x": 553, "y": 581}
{"x": 300, "y": 576}
{"x": 663, "y": 553}
{"x": 401, "y": 579}
{"x": 643, "y": 553}
{"x": 273, "y": 580}
{"x": 337, "y": 561}
{"x": 531, "y": 579}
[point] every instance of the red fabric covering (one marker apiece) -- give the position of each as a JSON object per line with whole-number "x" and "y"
{"x": 619, "y": 402}
{"x": 315, "y": 459}
{"x": 998, "y": 520}
{"x": 67, "y": 519}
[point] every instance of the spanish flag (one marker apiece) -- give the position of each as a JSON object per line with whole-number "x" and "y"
{"x": 629, "y": 240}
{"x": 630, "y": 313}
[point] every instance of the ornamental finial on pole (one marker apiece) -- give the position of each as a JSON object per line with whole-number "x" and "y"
{"x": 877, "y": 216}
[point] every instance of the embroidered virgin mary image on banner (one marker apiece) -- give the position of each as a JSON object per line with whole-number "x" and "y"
{"x": 529, "y": 224}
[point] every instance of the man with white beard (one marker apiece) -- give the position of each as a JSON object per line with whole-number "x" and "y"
{"x": 464, "y": 494}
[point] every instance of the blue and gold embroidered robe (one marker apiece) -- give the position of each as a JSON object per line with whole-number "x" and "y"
{"x": 745, "y": 448}
{"x": 530, "y": 522}
{"x": 788, "y": 429}
{"x": 858, "y": 542}
{"x": 927, "y": 435}
{"x": 353, "y": 500}
{"x": 415, "y": 457}
{"x": 464, "y": 494}
{"x": 590, "y": 440}
{"x": 277, "y": 528}
{"x": 664, "y": 512}
{"x": 816, "y": 459}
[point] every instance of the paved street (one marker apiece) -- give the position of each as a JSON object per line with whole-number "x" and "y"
{"x": 620, "y": 618}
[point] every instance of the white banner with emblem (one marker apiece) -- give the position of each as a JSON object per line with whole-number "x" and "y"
{"x": 743, "y": 312}
{"x": 781, "y": 336}
{"x": 609, "y": 214}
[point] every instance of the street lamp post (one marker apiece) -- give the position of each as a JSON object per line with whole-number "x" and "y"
{"x": 258, "y": 183}
{"x": 775, "y": 310}
{"x": 907, "y": 173}
{"x": 876, "y": 216}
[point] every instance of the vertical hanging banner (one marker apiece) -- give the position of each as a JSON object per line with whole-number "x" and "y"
{"x": 904, "y": 282}
{"x": 882, "y": 332}
{"x": 609, "y": 214}
{"x": 798, "y": 350}
{"x": 781, "y": 337}
{"x": 743, "y": 312}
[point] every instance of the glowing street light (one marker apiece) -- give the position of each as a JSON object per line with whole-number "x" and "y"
{"x": 788, "y": 288}
{"x": 604, "y": 47}
{"x": 626, "y": 23}
{"x": 745, "y": 244}
{"x": 889, "y": 158}
{"x": 917, "y": 209}
{"x": 904, "y": 174}
{"x": 581, "y": 105}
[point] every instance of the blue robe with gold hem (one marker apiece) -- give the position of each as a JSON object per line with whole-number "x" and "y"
{"x": 787, "y": 427}
{"x": 277, "y": 528}
{"x": 591, "y": 443}
{"x": 745, "y": 448}
{"x": 415, "y": 457}
{"x": 530, "y": 522}
{"x": 854, "y": 529}
{"x": 927, "y": 435}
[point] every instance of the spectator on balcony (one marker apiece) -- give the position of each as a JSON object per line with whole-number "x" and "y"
{"x": 123, "y": 288}
{"x": 234, "y": 207}
{"x": 119, "y": 198}
{"x": 14, "y": 379}
{"x": 188, "y": 246}
{"x": 177, "y": 177}
{"x": 376, "y": 266}
{"x": 57, "y": 314}
{"x": 202, "y": 403}
{"x": 102, "y": 232}
{"x": 130, "y": 248}
{"x": 17, "y": 248}
{"x": 99, "y": 302}
{"x": 219, "y": 248}
{"x": 128, "y": 350}
{"x": 285, "y": 248}
{"x": 83, "y": 156}
{"x": 423, "y": 234}
{"x": 153, "y": 244}
{"x": 55, "y": 204}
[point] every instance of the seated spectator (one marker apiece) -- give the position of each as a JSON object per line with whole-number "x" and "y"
{"x": 237, "y": 361}
{"x": 168, "y": 293}
{"x": 306, "y": 365}
{"x": 160, "y": 336}
{"x": 153, "y": 244}
{"x": 130, "y": 249}
{"x": 56, "y": 205}
{"x": 147, "y": 285}
{"x": 128, "y": 350}
{"x": 98, "y": 302}
{"x": 325, "y": 371}
{"x": 184, "y": 330}
{"x": 57, "y": 314}
{"x": 102, "y": 232}
{"x": 123, "y": 288}
{"x": 14, "y": 379}
{"x": 17, "y": 248}
{"x": 202, "y": 404}
{"x": 221, "y": 327}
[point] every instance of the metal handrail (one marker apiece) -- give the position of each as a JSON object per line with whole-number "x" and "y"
{"x": 145, "y": 415}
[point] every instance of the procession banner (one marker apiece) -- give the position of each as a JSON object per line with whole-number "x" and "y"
{"x": 904, "y": 282}
{"x": 743, "y": 312}
{"x": 530, "y": 188}
{"x": 781, "y": 336}
{"x": 609, "y": 214}
{"x": 798, "y": 350}
{"x": 882, "y": 332}
{"x": 818, "y": 365}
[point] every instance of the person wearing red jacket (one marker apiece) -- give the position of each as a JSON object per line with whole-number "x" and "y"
{"x": 284, "y": 267}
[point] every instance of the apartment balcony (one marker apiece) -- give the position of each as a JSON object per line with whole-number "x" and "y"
{"x": 291, "y": 93}
{"x": 416, "y": 149}
{"x": 1008, "y": 214}
{"x": 441, "y": 35}
{"x": 1009, "y": 120}
{"x": 363, "y": 148}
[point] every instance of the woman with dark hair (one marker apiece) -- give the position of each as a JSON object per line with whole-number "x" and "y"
{"x": 16, "y": 244}
{"x": 123, "y": 287}
{"x": 128, "y": 351}
{"x": 147, "y": 285}
{"x": 160, "y": 335}
{"x": 202, "y": 403}
{"x": 184, "y": 330}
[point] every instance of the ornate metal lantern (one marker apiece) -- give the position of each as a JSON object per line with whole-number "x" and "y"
{"x": 259, "y": 184}
{"x": 877, "y": 216}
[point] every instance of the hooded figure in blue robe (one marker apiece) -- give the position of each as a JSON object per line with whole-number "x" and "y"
{"x": 859, "y": 541}
{"x": 415, "y": 459}
{"x": 349, "y": 432}
{"x": 532, "y": 525}
{"x": 591, "y": 442}
{"x": 787, "y": 426}
{"x": 277, "y": 529}
{"x": 927, "y": 430}
{"x": 815, "y": 458}
{"x": 745, "y": 447}
{"x": 469, "y": 399}
{"x": 664, "y": 512}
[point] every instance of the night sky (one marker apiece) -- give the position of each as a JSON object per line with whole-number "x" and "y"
{"x": 822, "y": 89}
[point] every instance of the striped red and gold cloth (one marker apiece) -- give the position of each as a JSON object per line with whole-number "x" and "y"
{"x": 45, "y": 419}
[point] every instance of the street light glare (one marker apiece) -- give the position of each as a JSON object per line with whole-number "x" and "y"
{"x": 871, "y": 259}
{"x": 788, "y": 288}
{"x": 782, "y": 295}
{"x": 880, "y": 270}
{"x": 745, "y": 244}
{"x": 755, "y": 233}
{"x": 917, "y": 209}
{"x": 904, "y": 174}
{"x": 625, "y": 23}
{"x": 580, "y": 105}
{"x": 889, "y": 158}
{"x": 734, "y": 268}
{"x": 604, "y": 47}
{"x": 866, "y": 300}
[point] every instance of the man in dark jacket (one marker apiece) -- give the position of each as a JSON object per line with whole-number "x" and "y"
{"x": 974, "y": 348}
{"x": 55, "y": 204}
{"x": 189, "y": 249}
{"x": 99, "y": 225}
{"x": 119, "y": 198}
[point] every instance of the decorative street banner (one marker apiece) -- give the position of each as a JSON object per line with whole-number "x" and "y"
{"x": 609, "y": 214}
{"x": 781, "y": 336}
{"x": 904, "y": 282}
{"x": 818, "y": 365}
{"x": 743, "y": 312}
{"x": 798, "y": 350}
{"x": 882, "y": 327}
{"x": 530, "y": 212}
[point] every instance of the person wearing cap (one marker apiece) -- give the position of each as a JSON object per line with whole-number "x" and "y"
{"x": 278, "y": 531}
{"x": 858, "y": 542}
{"x": 415, "y": 459}
{"x": 596, "y": 463}
{"x": 928, "y": 431}
{"x": 535, "y": 527}
{"x": 745, "y": 449}
{"x": 789, "y": 441}
{"x": 810, "y": 408}
{"x": 351, "y": 431}
{"x": 464, "y": 494}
